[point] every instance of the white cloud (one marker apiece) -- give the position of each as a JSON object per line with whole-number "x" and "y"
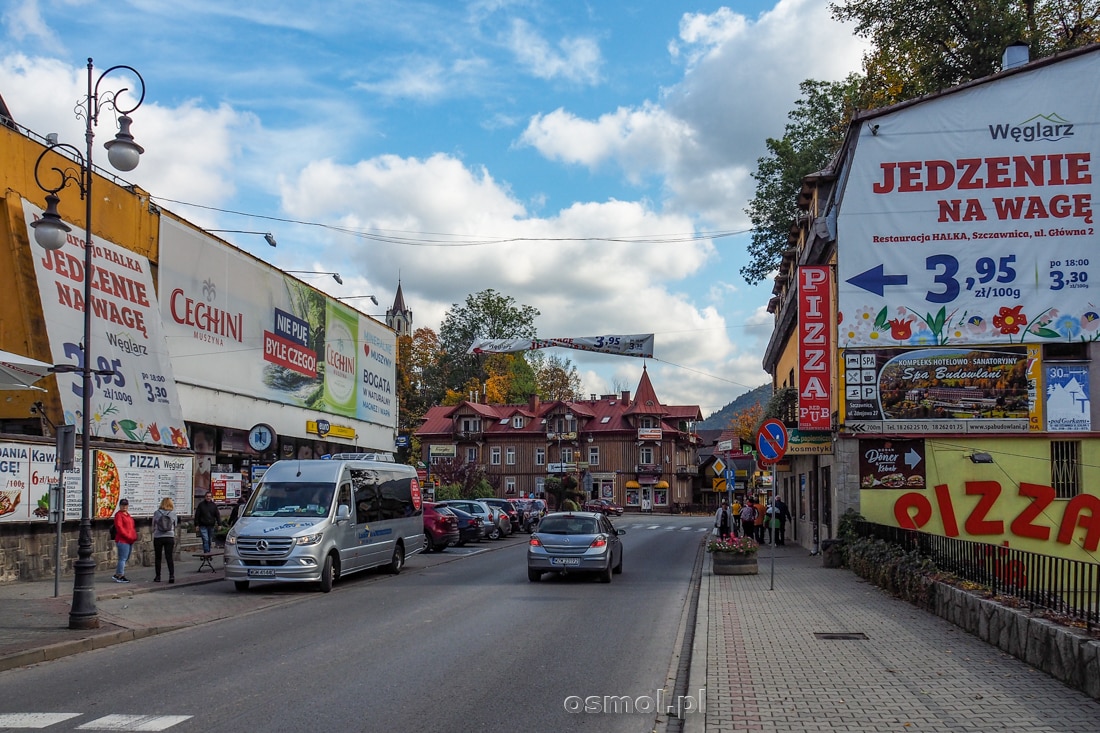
{"x": 576, "y": 59}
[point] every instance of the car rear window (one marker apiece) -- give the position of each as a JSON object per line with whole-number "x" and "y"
{"x": 568, "y": 525}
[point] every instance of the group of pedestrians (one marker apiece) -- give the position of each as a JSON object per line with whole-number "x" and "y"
{"x": 165, "y": 521}
{"x": 765, "y": 523}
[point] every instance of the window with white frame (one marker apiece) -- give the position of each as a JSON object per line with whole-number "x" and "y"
{"x": 593, "y": 455}
{"x": 494, "y": 455}
{"x": 471, "y": 454}
{"x": 540, "y": 456}
{"x": 471, "y": 424}
{"x": 517, "y": 421}
{"x": 540, "y": 484}
{"x": 645, "y": 455}
{"x": 509, "y": 484}
{"x": 566, "y": 454}
{"x": 510, "y": 455}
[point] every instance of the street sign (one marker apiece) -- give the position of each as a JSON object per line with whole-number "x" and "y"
{"x": 729, "y": 474}
{"x": 771, "y": 440}
{"x": 718, "y": 466}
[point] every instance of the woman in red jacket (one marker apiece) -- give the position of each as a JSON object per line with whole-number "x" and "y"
{"x": 125, "y": 537}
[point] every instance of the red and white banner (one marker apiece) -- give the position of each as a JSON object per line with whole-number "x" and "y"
{"x": 815, "y": 346}
{"x": 630, "y": 345}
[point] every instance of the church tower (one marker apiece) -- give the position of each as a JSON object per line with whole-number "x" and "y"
{"x": 400, "y": 318}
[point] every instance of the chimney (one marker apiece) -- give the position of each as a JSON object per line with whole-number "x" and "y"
{"x": 626, "y": 396}
{"x": 533, "y": 403}
{"x": 1015, "y": 55}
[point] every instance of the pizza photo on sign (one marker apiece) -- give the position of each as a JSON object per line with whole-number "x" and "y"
{"x": 106, "y": 486}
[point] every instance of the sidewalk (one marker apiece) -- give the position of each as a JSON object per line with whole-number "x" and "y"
{"x": 826, "y": 651}
{"x": 34, "y": 625}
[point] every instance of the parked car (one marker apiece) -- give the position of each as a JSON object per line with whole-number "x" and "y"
{"x": 506, "y": 506}
{"x": 567, "y": 542}
{"x": 491, "y": 518}
{"x": 469, "y": 526}
{"x": 440, "y": 528}
{"x": 604, "y": 506}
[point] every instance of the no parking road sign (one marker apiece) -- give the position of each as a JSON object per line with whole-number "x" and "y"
{"x": 771, "y": 441}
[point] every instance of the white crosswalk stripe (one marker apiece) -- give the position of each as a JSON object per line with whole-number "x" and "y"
{"x": 134, "y": 722}
{"x": 33, "y": 720}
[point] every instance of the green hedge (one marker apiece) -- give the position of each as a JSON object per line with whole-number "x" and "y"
{"x": 903, "y": 574}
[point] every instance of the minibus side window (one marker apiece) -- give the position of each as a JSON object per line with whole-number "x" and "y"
{"x": 344, "y": 497}
{"x": 367, "y": 497}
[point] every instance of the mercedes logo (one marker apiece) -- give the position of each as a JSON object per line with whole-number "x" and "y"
{"x": 262, "y": 545}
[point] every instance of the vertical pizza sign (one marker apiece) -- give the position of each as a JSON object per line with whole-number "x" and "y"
{"x": 815, "y": 345}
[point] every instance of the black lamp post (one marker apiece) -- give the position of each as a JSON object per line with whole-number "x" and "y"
{"x": 52, "y": 233}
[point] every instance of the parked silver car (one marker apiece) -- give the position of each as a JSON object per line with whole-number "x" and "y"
{"x": 567, "y": 542}
{"x": 493, "y": 520}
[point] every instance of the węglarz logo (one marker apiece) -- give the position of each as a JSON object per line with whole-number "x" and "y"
{"x": 659, "y": 703}
{"x": 1040, "y": 127}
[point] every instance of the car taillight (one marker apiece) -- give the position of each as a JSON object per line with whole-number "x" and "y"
{"x": 600, "y": 541}
{"x": 534, "y": 541}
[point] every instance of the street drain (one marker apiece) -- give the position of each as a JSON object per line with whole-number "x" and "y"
{"x": 854, "y": 636}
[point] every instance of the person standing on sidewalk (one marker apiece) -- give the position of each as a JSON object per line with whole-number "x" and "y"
{"x": 125, "y": 537}
{"x": 735, "y": 510}
{"x": 748, "y": 519}
{"x": 164, "y": 537}
{"x": 783, "y": 514}
{"x": 758, "y": 523}
{"x": 207, "y": 518}
{"x": 722, "y": 521}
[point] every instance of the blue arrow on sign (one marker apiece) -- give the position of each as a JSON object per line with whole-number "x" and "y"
{"x": 875, "y": 280}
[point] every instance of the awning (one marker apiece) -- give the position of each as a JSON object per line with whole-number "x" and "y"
{"x": 661, "y": 485}
{"x": 633, "y": 485}
{"x": 21, "y": 372}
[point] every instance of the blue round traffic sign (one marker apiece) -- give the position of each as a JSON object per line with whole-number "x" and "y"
{"x": 771, "y": 440}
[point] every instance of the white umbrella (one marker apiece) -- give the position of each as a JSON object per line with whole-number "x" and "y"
{"x": 21, "y": 372}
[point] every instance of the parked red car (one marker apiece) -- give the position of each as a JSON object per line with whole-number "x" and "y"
{"x": 604, "y": 506}
{"x": 440, "y": 529}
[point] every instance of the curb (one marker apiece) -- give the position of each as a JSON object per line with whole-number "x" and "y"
{"x": 697, "y": 674}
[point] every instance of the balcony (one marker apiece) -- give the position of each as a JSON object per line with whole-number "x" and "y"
{"x": 686, "y": 470}
{"x": 468, "y": 436}
{"x": 649, "y": 469}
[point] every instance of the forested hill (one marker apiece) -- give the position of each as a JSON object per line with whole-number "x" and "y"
{"x": 721, "y": 419}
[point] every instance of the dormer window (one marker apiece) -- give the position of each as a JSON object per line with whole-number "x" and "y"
{"x": 647, "y": 422}
{"x": 517, "y": 422}
{"x": 471, "y": 424}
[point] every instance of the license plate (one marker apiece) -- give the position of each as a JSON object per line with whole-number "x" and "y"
{"x": 565, "y": 561}
{"x": 261, "y": 573}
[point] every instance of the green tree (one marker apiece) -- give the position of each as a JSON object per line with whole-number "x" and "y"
{"x": 487, "y": 314}
{"x": 925, "y": 46}
{"x": 813, "y": 136}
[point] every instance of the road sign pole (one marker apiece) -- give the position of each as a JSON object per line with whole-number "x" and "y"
{"x": 771, "y": 585}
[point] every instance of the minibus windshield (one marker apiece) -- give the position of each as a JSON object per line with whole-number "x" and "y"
{"x": 290, "y": 499}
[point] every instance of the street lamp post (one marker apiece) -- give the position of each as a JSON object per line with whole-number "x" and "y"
{"x": 50, "y": 232}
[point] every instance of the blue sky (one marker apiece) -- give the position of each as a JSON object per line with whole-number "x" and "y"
{"x": 580, "y": 157}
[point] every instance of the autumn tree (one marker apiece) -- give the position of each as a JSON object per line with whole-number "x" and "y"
{"x": 925, "y": 46}
{"x": 816, "y": 130}
{"x": 556, "y": 377}
{"x": 746, "y": 422}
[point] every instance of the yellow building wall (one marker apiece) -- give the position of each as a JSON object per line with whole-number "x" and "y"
{"x": 119, "y": 214}
{"x": 1008, "y": 502}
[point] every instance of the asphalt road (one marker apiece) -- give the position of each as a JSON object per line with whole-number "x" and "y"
{"x": 463, "y": 645}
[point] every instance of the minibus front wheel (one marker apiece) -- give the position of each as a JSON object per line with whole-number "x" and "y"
{"x": 326, "y": 575}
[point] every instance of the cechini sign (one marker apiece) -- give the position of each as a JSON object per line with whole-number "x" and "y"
{"x": 968, "y": 218}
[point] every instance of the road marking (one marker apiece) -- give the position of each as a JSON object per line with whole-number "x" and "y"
{"x": 33, "y": 720}
{"x": 134, "y": 722}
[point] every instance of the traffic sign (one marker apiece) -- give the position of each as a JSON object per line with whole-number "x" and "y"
{"x": 718, "y": 467}
{"x": 771, "y": 440}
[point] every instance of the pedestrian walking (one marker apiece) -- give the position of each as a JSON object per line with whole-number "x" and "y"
{"x": 735, "y": 510}
{"x": 164, "y": 537}
{"x": 207, "y": 519}
{"x": 783, "y": 514}
{"x": 125, "y": 537}
{"x": 722, "y": 521}
{"x": 748, "y": 519}
{"x": 758, "y": 523}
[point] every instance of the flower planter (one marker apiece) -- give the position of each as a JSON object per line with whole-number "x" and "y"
{"x": 727, "y": 563}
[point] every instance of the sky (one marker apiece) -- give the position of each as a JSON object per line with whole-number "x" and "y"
{"x": 590, "y": 159}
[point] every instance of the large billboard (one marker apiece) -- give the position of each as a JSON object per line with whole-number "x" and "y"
{"x": 968, "y": 219}
{"x": 239, "y": 325}
{"x": 134, "y": 397}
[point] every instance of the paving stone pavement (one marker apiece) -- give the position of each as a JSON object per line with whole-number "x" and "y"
{"x": 763, "y": 668}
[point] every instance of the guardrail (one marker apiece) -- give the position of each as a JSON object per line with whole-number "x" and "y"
{"x": 1064, "y": 586}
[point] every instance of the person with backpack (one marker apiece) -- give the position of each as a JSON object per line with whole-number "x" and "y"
{"x": 748, "y": 518}
{"x": 125, "y": 537}
{"x": 164, "y": 537}
{"x": 722, "y": 521}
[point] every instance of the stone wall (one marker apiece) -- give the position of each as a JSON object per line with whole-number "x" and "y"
{"x": 1068, "y": 654}
{"x": 27, "y": 551}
